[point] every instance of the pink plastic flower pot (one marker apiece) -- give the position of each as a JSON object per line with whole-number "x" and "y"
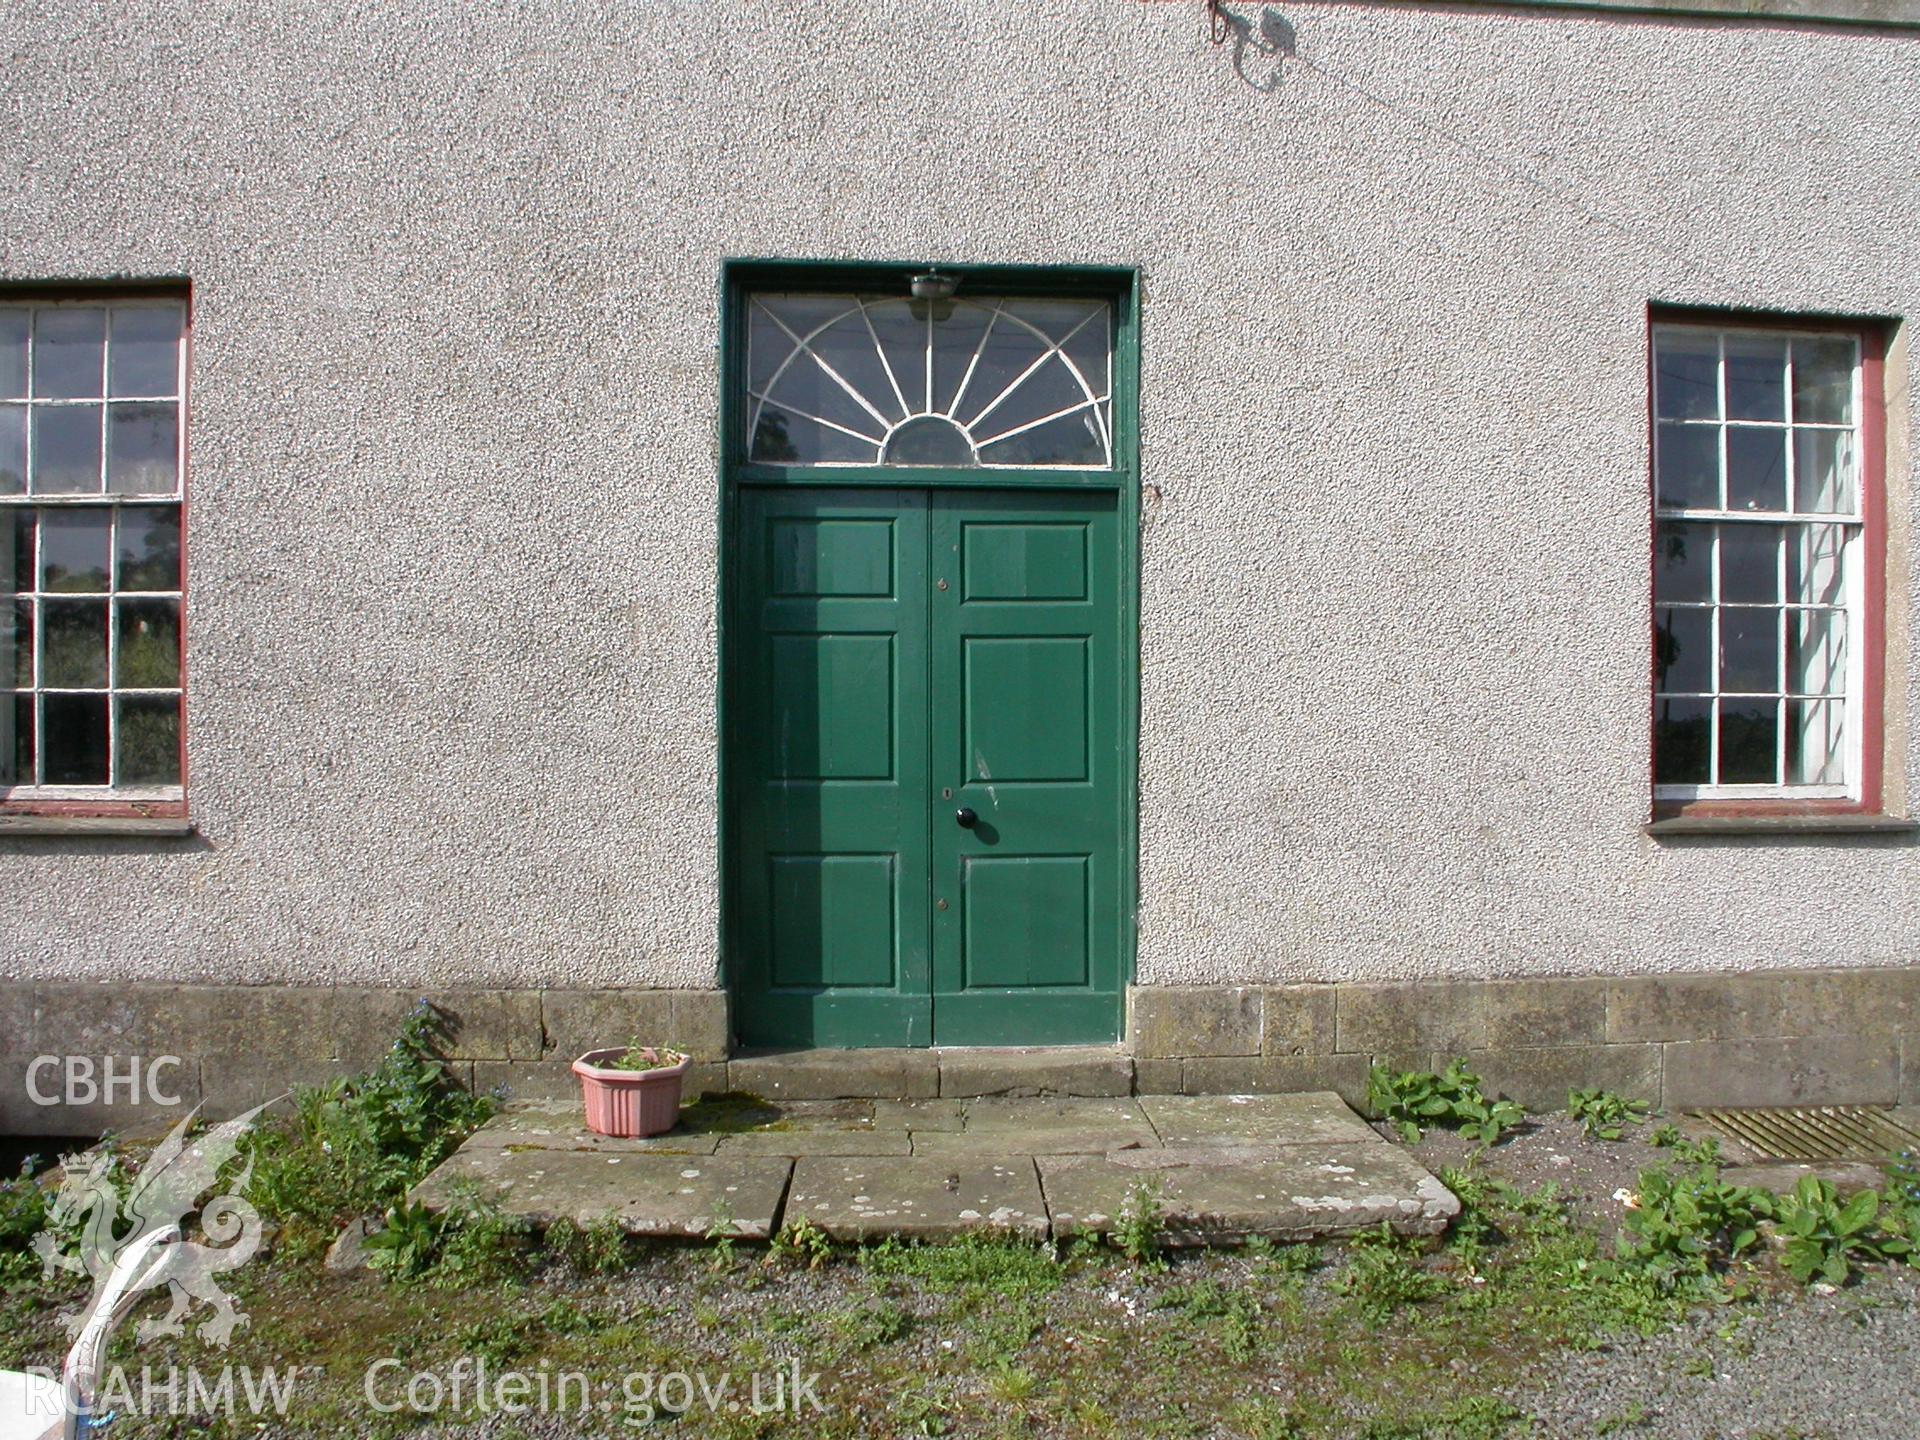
{"x": 629, "y": 1103}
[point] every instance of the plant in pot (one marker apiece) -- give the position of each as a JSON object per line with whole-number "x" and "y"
{"x": 632, "y": 1090}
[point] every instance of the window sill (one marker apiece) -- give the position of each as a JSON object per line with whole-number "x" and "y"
{"x": 1678, "y": 826}
{"x": 73, "y": 826}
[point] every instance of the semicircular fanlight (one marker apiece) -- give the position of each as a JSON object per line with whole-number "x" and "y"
{"x": 853, "y": 380}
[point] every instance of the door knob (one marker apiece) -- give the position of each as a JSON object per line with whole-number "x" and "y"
{"x": 966, "y": 818}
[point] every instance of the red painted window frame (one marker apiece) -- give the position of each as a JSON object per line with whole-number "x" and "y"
{"x": 182, "y": 291}
{"x": 1873, "y": 335}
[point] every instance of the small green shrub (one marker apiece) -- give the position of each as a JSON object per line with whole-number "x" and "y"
{"x": 23, "y": 1215}
{"x": 357, "y": 1145}
{"x": 1139, "y": 1229}
{"x": 1411, "y": 1100}
{"x": 928, "y": 1411}
{"x": 1603, "y": 1114}
{"x": 1824, "y": 1237}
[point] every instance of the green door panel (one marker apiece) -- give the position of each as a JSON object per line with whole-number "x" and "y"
{"x": 829, "y": 764}
{"x": 1025, "y": 727}
{"x": 899, "y": 655}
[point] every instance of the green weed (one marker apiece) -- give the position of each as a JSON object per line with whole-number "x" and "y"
{"x": 472, "y": 1242}
{"x": 867, "y": 1327}
{"x": 1233, "y": 1314}
{"x": 1479, "y": 1417}
{"x": 1004, "y": 1267}
{"x": 1603, "y": 1114}
{"x": 1384, "y": 1274}
{"x": 601, "y": 1248}
{"x": 1011, "y": 1385}
{"x": 1824, "y": 1237}
{"x": 23, "y": 1215}
{"x": 1139, "y": 1230}
{"x": 357, "y": 1145}
{"x": 404, "y": 1248}
{"x": 721, "y": 1232}
{"x": 1631, "y": 1418}
{"x": 801, "y": 1240}
{"x": 1685, "y": 1225}
{"x": 1411, "y": 1100}
{"x": 1265, "y": 1419}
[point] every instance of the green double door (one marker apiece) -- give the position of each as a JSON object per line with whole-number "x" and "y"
{"x": 924, "y": 760}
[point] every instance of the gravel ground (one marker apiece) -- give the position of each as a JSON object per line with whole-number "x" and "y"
{"x": 1825, "y": 1363}
{"x": 1552, "y": 1149}
{"x": 1839, "y": 1366}
{"x": 1112, "y": 1349}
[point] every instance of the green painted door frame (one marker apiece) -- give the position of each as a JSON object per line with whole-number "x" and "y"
{"x": 797, "y": 617}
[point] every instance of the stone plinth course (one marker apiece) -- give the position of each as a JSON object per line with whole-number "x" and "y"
{"x": 1220, "y": 1169}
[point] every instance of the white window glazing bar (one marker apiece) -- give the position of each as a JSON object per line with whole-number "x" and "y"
{"x": 1799, "y": 528}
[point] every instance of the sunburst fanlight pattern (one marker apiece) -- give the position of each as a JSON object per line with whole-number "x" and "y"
{"x": 851, "y": 380}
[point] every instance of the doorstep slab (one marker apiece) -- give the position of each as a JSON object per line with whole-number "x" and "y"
{"x": 915, "y": 1198}
{"x": 1304, "y": 1119}
{"x": 1212, "y": 1196}
{"x": 1037, "y": 1070}
{"x": 680, "y": 1196}
{"x": 836, "y": 1074}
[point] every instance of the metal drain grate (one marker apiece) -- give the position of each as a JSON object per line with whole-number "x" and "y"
{"x": 1816, "y": 1132}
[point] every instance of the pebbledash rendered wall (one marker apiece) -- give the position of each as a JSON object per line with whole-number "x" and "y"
{"x": 452, "y": 507}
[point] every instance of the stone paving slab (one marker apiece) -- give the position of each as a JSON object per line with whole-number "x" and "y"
{"x": 814, "y": 1142}
{"x": 1039, "y": 1141}
{"x": 998, "y": 1127}
{"x": 1227, "y": 1167}
{"x": 854, "y": 1199}
{"x": 681, "y": 1196}
{"x": 1023, "y": 1117}
{"x": 1210, "y": 1197}
{"x": 559, "y": 1125}
{"x": 918, "y": 1115}
{"x": 1299, "y": 1119}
